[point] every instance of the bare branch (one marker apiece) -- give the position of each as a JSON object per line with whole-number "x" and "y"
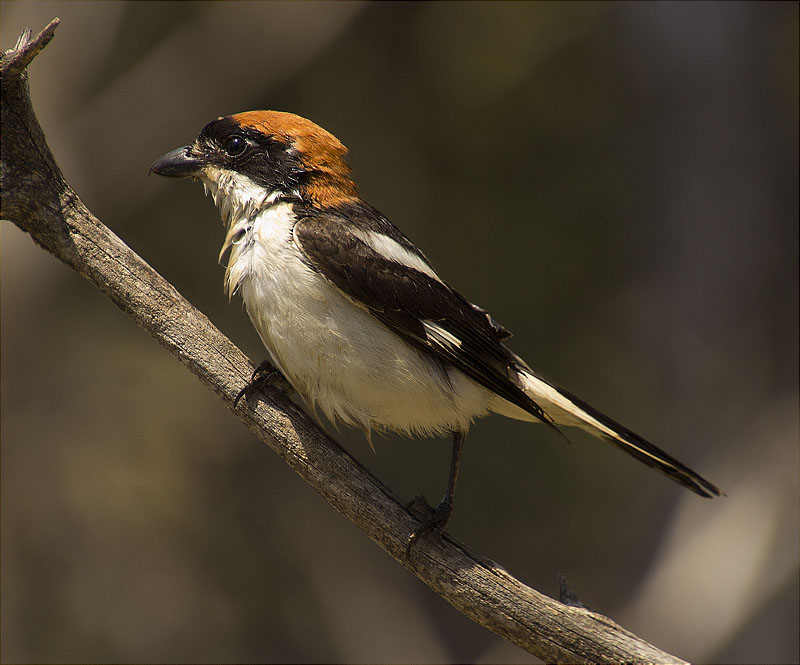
{"x": 37, "y": 199}
{"x": 17, "y": 59}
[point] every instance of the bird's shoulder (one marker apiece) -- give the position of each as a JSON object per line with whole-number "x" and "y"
{"x": 372, "y": 262}
{"x": 371, "y": 259}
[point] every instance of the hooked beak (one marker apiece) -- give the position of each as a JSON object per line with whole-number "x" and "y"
{"x": 178, "y": 163}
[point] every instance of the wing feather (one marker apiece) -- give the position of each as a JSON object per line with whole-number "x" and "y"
{"x": 413, "y": 303}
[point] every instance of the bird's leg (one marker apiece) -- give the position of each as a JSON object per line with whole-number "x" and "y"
{"x": 441, "y": 514}
{"x": 265, "y": 374}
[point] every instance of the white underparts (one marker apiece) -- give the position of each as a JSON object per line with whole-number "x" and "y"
{"x": 336, "y": 354}
{"x": 332, "y": 350}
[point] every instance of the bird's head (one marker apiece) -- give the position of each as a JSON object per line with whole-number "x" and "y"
{"x": 255, "y": 158}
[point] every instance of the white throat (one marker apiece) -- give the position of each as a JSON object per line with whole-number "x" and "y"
{"x": 239, "y": 201}
{"x": 236, "y": 195}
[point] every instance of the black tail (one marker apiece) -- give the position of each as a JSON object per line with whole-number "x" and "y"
{"x": 566, "y": 409}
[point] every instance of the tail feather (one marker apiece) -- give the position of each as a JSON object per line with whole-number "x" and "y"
{"x": 566, "y": 409}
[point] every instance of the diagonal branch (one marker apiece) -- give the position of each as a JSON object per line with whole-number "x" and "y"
{"x": 36, "y": 197}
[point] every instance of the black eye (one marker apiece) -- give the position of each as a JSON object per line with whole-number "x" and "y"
{"x": 235, "y": 146}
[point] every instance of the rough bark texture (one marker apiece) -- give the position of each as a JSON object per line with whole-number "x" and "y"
{"x": 36, "y": 197}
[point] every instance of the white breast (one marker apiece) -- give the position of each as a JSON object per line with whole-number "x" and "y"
{"x": 331, "y": 349}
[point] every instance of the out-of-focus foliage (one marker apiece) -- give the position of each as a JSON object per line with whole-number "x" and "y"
{"x": 616, "y": 183}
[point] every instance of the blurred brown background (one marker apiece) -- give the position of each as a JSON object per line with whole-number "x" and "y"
{"x": 616, "y": 183}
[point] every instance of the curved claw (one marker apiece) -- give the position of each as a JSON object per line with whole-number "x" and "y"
{"x": 264, "y": 375}
{"x": 435, "y": 523}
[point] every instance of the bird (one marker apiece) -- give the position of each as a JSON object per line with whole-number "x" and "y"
{"x": 353, "y": 315}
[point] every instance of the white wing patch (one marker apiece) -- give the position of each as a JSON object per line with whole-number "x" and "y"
{"x": 435, "y": 333}
{"x": 394, "y": 251}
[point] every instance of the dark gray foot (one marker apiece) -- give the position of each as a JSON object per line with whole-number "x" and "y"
{"x": 435, "y": 522}
{"x": 264, "y": 375}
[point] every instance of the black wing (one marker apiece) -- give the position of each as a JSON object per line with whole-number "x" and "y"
{"x": 421, "y": 309}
